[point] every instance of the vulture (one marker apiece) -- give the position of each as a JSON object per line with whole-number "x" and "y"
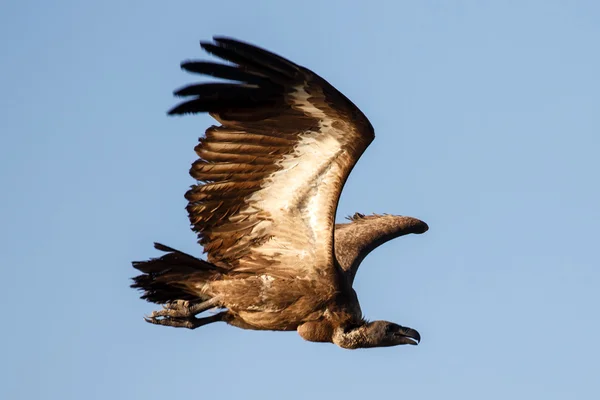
{"x": 268, "y": 181}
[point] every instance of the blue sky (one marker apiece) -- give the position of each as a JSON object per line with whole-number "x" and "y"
{"x": 487, "y": 124}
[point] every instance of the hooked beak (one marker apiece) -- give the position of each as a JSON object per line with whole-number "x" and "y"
{"x": 407, "y": 336}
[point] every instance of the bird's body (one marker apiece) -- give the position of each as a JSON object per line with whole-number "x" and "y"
{"x": 275, "y": 303}
{"x": 269, "y": 181}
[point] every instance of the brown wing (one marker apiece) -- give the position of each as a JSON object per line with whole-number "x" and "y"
{"x": 356, "y": 239}
{"x": 269, "y": 178}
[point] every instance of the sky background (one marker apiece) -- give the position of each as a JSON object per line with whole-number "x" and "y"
{"x": 487, "y": 117}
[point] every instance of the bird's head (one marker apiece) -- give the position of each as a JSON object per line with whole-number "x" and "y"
{"x": 385, "y": 334}
{"x": 376, "y": 334}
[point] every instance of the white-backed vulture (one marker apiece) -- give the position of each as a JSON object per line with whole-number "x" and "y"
{"x": 269, "y": 178}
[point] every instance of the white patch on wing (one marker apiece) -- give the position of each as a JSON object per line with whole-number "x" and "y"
{"x": 300, "y": 194}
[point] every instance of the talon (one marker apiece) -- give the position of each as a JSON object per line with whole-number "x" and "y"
{"x": 181, "y": 314}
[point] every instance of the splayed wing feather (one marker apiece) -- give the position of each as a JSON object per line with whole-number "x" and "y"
{"x": 269, "y": 178}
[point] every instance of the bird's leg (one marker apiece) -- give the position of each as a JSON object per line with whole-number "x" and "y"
{"x": 188, "y": 322}
{"x": 181, "y": 314}
{"x": 184, "y": 308}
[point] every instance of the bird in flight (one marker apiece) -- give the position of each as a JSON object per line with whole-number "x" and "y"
{"x": 269, "y": 178}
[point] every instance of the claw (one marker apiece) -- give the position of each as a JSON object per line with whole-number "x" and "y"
{"x": 181, "y": 313}
{"x": 187, "y": 322}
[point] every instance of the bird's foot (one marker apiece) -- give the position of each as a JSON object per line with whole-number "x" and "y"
{"x": 181, "y": 314}
{"x": 187, "y": 322}
{"x": 179, "y": 309}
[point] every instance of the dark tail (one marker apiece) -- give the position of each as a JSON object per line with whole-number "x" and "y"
{"x": 173, "y": 276}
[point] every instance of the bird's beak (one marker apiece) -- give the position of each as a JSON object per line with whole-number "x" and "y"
{"x": 407, "y": 336}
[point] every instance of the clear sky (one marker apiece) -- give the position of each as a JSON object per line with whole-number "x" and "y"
{"x": 487, "y": 116}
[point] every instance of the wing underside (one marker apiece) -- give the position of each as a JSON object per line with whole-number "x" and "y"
{"x": 270, "y": 176}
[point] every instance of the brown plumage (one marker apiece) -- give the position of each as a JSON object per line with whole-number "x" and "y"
{"x": 269, "y": 180}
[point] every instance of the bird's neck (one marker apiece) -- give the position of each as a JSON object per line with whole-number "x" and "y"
{"x": 354, "y": 338}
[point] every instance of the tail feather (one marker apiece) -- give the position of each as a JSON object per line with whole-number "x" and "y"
{"x": 174, "y": 276}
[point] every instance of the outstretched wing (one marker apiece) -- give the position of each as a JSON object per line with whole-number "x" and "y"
{"x": 269, "y": 178}
{"x": 363, "y": 234}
